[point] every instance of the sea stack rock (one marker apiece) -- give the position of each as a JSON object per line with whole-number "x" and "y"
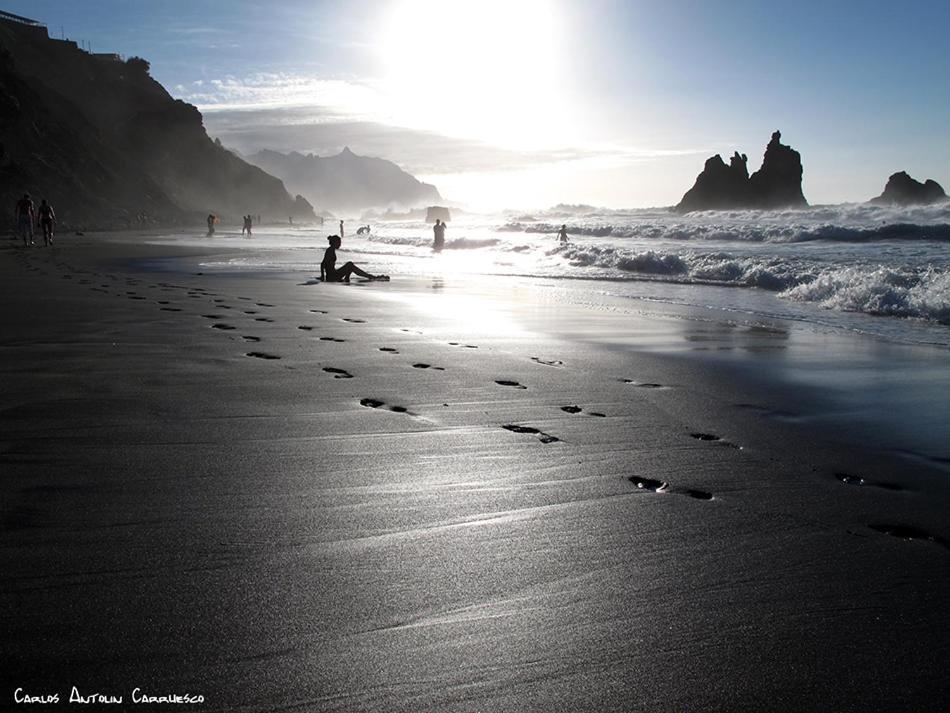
{"x": 901, "y": 189}
{"x": 777, "y": 184}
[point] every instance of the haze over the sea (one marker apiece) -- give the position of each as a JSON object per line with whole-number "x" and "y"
{"x": 538, "y": 102}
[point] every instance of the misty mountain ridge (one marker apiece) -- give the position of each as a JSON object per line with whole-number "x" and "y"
{"x": 346, "y": 181}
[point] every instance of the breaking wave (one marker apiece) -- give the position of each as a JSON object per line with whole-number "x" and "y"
{"x": 883, "y": 291}
{"x": 747, "y": 233}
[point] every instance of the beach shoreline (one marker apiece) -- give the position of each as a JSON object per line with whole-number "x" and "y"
{"x": 446, "y": 495}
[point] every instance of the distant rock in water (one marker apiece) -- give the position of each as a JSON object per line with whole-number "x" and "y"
{"x": 437, "y": 212}
{"x": 901, "y": 189}
{"x": 777, "y": 184}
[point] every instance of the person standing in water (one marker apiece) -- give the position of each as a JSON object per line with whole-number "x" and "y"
{"x": 562, "y": 234}
{"x": 24, "y": 217}
{"x": 211, "y": 219}
{"x": 438, "y": 230}
{"x": 329, "y": 271}
{"x": 47, "y": 218}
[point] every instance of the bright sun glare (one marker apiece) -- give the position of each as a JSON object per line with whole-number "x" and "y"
{"x": 485, "y": 69}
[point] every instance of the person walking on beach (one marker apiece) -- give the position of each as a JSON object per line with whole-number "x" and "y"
{"x": 341, "y": 230}
{"x": 24, "y": 218}
{"x": 438, "y": 231}
{"x": 329, "y": 272}
{"x": 562, "y": 234}
{"x": 248, "y": 221}
{"x": 212, "y": 218}
{"x": 47, "y": 218}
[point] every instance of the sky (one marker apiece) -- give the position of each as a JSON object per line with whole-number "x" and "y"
{"x": 530, "y": 103}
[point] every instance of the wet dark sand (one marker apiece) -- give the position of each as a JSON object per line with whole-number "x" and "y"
{"x": 366, "y": 503}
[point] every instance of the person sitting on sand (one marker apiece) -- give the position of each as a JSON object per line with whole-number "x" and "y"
{"x": 562, "y": 234}
{"x": 329, "y": 271}
{"x": 24, "y": 217}
{"x": 46, "y": 217}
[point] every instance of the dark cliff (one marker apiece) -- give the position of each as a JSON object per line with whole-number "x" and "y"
{"x": 901, "y": 189}
{"x": 777, "y": 184}
{"x": 108, "y": 146}
{"x": 347, "y": 182}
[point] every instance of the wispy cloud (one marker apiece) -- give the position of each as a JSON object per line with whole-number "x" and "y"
{"x": 337, "y": 98}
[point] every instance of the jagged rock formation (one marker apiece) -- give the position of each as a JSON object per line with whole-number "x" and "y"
{"x": 109, "y": 147}
{"x": 901, "y": 189}
{"x": 777, "y": 184}
{"x": 347, "y": 182}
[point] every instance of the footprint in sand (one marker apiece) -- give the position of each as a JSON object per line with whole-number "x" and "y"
{"x": 338, "y": 373}
{"x": 331, "y": 339}
{"x": 262, "y": 355}
{"x": 263, "y": 304}
{"x": 250, "y": 311}
{"x": 643, "y": 385}
{"x": 578, "y": 409}
{"x": 655, "y": 486}
{"x": 319, "y": 311}
{"x": 222, "y": 326}
{"x": 542, "y": 436}
{"x": 376, "y": 403}
{"x": 389, "y": 350}
{"x": 553, "y": 362}
{"x": 248, "y": 338}
{"x": 849, "y": 479}
{"x": 514, "y": 384}
{"x": 213, "y": 316}
{"x": 354, "y": 321}
{"x": 910, "y": 532}
{"x": 263, "y": 319}
{"x": 428, "y": 366}
{"x": 659, "y": 486}
{"x": 713, "y": 438}
{"x": 466, "y": 346}
{"x": 170, "y": 309}
{"x": 305, "y": 328}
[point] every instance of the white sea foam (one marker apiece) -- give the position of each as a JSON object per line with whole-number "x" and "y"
{"x": 884, "y": 291}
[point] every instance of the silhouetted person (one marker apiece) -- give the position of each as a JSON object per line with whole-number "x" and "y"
{"x": 248, "y": 221}
{"x": 341, "y": 230}
{"x": 562, "y": 234}
{"x": 290, "y": 219}
{"x": 211, "y": 219}
{"x": 329, "y": 272}
{"x": 24, "y": 218}
{"x": 47, "y": 219}
{"x": 438, "y": 230}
